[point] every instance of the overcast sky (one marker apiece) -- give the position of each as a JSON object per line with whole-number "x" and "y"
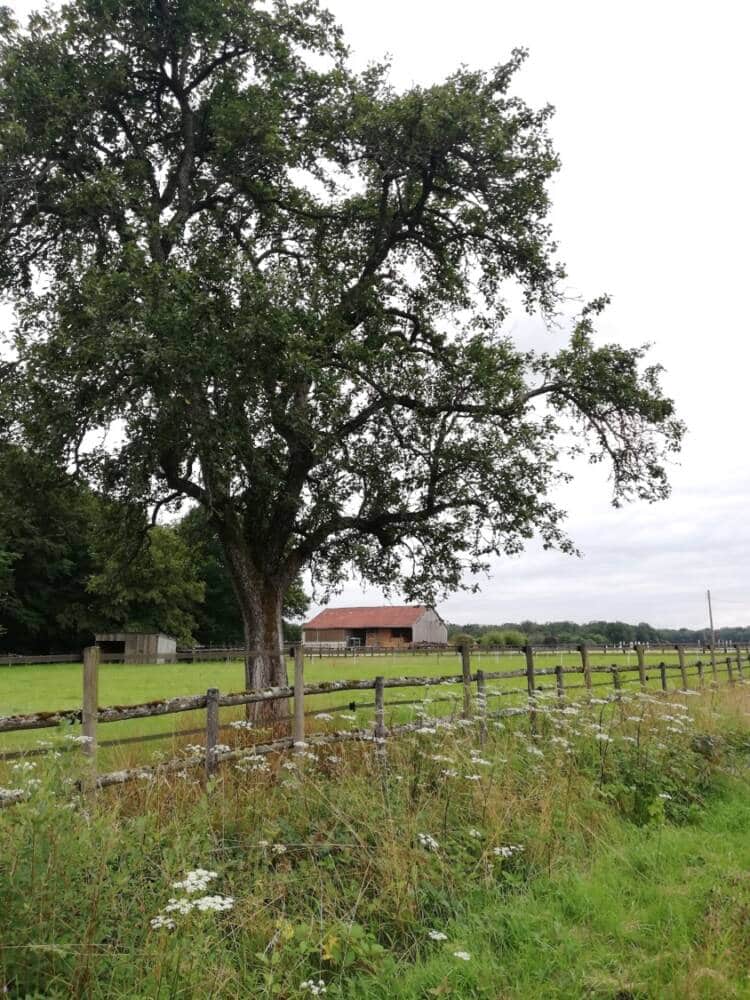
{"x": 651, "y": 206}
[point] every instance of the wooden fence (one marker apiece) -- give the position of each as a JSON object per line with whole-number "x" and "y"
{"x": 214, "y": 654}
{"x": 473, "y": 688}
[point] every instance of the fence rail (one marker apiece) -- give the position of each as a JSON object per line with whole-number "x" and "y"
{"x": 616, "y": 675}
{"x": 320, "y": 650}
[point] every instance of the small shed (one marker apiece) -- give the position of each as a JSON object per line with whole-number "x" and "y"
{"x": 385, "y": 627}
{"x": 137, "y": 647}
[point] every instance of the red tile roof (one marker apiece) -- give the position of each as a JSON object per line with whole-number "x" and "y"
{"x": 388, "y": 617}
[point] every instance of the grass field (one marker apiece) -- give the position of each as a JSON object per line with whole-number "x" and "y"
{"x": 607, "y": 857}
{"x": 45, "y": 687}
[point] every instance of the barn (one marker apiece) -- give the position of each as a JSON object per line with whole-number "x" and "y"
{"x": 385, "y": 627}
{"x": 137, "y": 647}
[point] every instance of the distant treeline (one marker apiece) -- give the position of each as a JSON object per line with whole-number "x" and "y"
{"x": 597, "y": 633}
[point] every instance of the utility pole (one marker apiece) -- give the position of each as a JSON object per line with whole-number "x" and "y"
{"x": 711, "y": 619}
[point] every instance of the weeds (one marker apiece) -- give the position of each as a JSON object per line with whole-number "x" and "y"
{"x": 602, "y": 855}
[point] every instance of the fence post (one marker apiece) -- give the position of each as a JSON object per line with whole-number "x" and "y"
{"x": 482, "y": 706}
{"x": 616, "y": 679}
{"x": 683, "y": 671}
{"x": 663, "y": 672}
{"x": 739, "y": 661}
{"x": 212, "y": 730}
{"x": 90, "y": 710}
{"x": 701, "y": 676}
{"x": 640, "y": 652}
{"x": 560, "y": 681}
{"x": 299, "y": 696}
{"x": 583, "y": 649}
{"x": 466, "y": 668}
{"x": 713, "y": 664}
{"x": 380, "y": 708}
{"x": 531, "y": 684}
{"x": 730, "y": 672}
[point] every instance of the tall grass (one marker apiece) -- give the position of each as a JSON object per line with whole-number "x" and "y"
{"x": 605, "y": 855}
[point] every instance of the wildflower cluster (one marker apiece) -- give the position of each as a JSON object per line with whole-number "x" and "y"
{"x": 316, "y": 989}
{"x": 195, "y": 881}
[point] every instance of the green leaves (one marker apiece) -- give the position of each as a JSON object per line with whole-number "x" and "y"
{"x": 277, "y": 287}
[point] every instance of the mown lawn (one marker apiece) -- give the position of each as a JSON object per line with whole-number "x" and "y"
{"x": 604, "y": 856}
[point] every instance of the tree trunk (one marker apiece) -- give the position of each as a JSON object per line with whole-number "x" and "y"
{"x": 260, "y": 599}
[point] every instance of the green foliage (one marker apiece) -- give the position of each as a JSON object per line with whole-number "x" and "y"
{"x": 155, "y": 591}
{"x": 598, "y": 633}
{"x": 459, "y": 638}
{"x": 282, "y": 282}
{"x": 218, "y": 617}
{"x": 45, "y": 557}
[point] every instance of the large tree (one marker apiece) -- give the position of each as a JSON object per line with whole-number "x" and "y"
{"x": 247, "y": 275}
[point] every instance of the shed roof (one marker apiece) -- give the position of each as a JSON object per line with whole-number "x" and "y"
{"x": 397, "y": 616}
{"x": 124, "y": 636}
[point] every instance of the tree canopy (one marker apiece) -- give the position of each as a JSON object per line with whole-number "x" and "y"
{"x": 247, "y": 275}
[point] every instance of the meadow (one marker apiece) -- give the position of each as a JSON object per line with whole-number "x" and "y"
{"x": 604, "y": 855}
{"x": 45, "y": 687}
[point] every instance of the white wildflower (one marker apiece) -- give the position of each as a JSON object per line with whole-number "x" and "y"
{"x": 182, "y": 906}
{"x": 240, "y": 724}
{"x": 195, "y": 881}
{"x": 313, "y": 987}
{"x": 463, "y": 955}
{"x": 162, "y": 921}
{"x": 437, "y": 936}
{"x": 507, "y": 850}
{"x": 427, "y": 841}
{"x": 216, "y": 903}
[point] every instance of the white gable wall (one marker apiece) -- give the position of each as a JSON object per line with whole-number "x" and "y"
{"x": 430, "y": 628}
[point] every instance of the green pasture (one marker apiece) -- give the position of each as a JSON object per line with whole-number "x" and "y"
{"x": 51, "y": 686}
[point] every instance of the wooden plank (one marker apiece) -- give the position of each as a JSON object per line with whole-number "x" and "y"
{"x": 299, "y": 695}
{"x": 560, "y": 681}
{"x": 379, "y": 708}
{"x": 89, "y": 712}
{"x": 683, "y": 669}
{"x": 640, "y": 652}
{"x": 583, "y": 649}
{"x": 482, "y": 706}
{"x": 616, "y": 679}
{"x": 531, "y": 685}
{"x": 663, "y": 672}
{"x": 212, "y": 731}
{"x": 466, "y": 668}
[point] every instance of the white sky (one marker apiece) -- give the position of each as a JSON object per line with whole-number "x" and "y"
{"x": 651, "y": 206}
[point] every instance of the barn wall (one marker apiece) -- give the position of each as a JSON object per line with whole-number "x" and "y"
{"x": 429, "y": 628}
{"x": 384, "y": 638}
{"x": 324, "y": 635}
